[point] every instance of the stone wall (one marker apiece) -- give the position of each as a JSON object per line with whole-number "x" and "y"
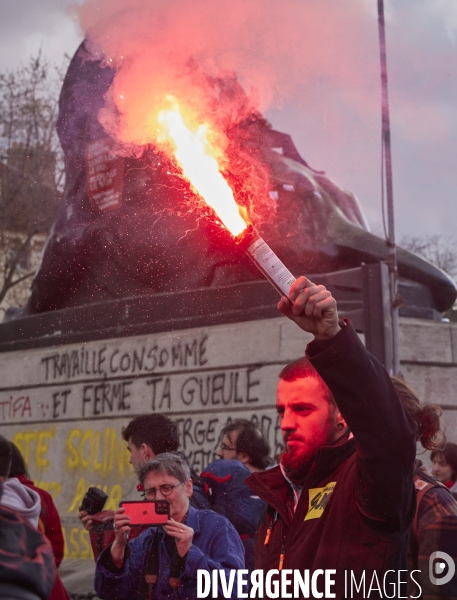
{"x": 428, "y": 355}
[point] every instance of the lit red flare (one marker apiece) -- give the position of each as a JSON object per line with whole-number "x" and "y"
{"x": 196, "y": 157}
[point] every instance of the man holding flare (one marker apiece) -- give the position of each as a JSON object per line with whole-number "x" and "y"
{"x": 342, "y": 496}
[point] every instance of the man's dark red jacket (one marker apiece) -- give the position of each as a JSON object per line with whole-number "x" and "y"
{"x": 357, "y": 502}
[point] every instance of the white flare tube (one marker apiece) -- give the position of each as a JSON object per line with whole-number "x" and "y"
{"x": 266, "y": 260}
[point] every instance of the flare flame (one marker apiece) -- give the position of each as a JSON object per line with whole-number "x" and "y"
{"x": 197, "y": 159}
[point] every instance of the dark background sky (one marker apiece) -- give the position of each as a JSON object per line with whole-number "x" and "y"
{"x": 336, "y": 122}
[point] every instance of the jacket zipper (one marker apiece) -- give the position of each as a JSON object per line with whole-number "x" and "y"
{"x": 267, "y": 540}
{"x": 281, "y": 557}
{"x": 270, "y": 527}
{"x": 268, "y": 535}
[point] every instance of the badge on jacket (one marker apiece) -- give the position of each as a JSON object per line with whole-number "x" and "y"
{"x": 318, "y": 500}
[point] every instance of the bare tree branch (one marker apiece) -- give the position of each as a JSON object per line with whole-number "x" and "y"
{"x": 31, "y": 162}
{"x": 10, "y": 270}
{"x": 437, "y": 249}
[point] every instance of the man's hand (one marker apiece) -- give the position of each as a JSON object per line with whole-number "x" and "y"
{"x": 313, "y": 308}
{"x": 183, "y": 536}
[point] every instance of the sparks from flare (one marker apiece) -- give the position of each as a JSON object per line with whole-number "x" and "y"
{"x": 192, "y": 151}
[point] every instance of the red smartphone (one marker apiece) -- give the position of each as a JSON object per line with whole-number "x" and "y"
{"x": 147, "y": 512}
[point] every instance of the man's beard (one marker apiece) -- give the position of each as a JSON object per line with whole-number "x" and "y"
{"x": 297, "y": 460}
{"x": 296, "y": 463}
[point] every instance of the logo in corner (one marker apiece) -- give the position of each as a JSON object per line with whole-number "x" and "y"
{"x": 437, "y": 568}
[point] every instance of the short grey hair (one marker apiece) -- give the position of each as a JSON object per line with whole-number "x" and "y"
{"x": 166, "y": 464}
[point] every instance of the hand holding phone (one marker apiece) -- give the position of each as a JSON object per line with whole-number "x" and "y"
{"x": 121, "y": 526}
{"x": 147, "y": 512}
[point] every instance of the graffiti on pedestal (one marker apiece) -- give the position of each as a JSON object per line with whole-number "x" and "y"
{"x": 67, "y": 414}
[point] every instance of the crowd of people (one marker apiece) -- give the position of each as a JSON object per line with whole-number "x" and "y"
{"x": 347, "y": 494}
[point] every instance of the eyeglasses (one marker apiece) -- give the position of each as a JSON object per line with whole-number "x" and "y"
{"x": 225, "y": 447}
{"x": 166, "y": 489}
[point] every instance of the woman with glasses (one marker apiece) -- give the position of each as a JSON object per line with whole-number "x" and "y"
{"x": 163, "y": 561}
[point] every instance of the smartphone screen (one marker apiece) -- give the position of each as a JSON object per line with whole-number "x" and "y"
{"x": 147, "y": 512}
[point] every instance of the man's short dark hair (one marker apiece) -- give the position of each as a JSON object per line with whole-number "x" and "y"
{"x": 449, "y": 453}
{"x": 5, "y": 457}
{"x": 302, "y": 368}
{"x": 159, "y": 432}
{"x": 250, "y": 441}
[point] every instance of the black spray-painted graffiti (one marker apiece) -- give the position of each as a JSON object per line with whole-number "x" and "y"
{"x": 199, "y": 439}
{"x": 224, "y": 389}
{"x": 219, "y": 389}
{"x": 68, "y": 365}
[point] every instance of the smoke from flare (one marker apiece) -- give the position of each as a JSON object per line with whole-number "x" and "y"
{"x": 179, "y": 46}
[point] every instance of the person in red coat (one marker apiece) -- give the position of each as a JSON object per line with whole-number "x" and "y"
{"x": 49, "y": 520}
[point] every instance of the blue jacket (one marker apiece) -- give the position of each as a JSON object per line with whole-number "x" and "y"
{"x": 232, "y": 498}
{"x": 216, "y": 545}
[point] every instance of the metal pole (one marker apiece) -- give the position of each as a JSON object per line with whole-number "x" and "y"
{"x": 387, "y": 161}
